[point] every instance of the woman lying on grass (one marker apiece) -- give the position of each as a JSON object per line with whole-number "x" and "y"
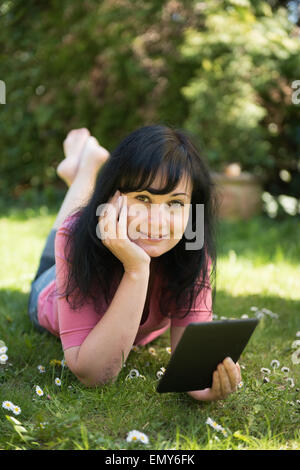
{"x": 118, "y": 269}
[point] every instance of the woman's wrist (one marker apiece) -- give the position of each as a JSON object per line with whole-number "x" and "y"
{"x": 138, "y": 273}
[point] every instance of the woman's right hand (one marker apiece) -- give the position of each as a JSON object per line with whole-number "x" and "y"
{"x": 133, "y": 257}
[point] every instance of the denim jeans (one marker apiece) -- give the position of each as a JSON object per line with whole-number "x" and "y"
{"x": 45, "y": 274}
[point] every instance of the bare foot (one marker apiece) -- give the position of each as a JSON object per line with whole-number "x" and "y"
{"x": 93, "y": 155}
{"x": 73, "y": 146}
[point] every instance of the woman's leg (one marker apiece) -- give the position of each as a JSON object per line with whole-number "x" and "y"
{"x": 84, "y": 157}
{"x": 79, "y": 171}
{"x": 81, "y": 187}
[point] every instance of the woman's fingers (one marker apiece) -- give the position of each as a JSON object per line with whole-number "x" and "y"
{"x": 108, "y": 218}
{"x": 232, "y": 372}
{"x": 216, "y": 385}
{"x": 239, "y": 372}
{"x": 122, "y": 223}
{"x": 224, "y": 380}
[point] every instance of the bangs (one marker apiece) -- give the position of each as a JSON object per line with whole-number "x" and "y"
{"x": 168, "y": 162}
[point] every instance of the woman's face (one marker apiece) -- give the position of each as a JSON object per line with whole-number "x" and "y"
{"x": 156, "y": 223}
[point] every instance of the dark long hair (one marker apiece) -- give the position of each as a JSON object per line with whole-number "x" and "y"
{"x": 131, "y": 167}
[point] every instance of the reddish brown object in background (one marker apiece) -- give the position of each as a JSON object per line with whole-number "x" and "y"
{"x": 240, "y": 194}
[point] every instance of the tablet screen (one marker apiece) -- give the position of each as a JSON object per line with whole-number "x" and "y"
{"x": 201, "y": 348}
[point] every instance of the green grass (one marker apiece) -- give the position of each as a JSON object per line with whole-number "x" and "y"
{"x": 258, "y": 266}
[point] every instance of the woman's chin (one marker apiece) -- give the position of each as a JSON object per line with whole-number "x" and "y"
{"x": 154, "y": 249}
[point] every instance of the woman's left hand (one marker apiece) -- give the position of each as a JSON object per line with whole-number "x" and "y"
{"x": 226, "y": 378}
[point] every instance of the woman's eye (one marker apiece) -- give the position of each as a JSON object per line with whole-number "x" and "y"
{"x": 172, "y": 202}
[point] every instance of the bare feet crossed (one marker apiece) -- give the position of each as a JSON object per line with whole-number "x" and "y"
{"x": 81, "y": 151}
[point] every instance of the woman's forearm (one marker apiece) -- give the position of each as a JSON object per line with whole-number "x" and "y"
{"x": 107, "y": 346}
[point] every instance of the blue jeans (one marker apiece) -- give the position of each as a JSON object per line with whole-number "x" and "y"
{"x": 45, "y": 274}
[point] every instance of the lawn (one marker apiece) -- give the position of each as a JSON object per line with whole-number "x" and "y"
{"x": 258, "y": 266}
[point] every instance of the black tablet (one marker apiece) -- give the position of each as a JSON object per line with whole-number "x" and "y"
{"x": 201, "y": 348}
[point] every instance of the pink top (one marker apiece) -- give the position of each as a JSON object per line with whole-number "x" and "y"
{"x": 55, "y": 314}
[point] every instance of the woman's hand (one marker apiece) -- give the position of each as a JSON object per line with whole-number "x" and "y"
{"x": 133, "y": 257}
{"x": 225, "y": 381}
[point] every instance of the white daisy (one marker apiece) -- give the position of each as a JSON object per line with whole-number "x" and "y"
{"x": 134, "y": 436}
{"x": 144, "y": 438}
{"x": 296, "y": 357}
{"x": 295, "y": 344}
{"x": 16, "y": 410}
{"x": 57, "y": 382}
{"x": 265, "y": 370}
{"x": 168, "y": 350}
{"x": 275, "y": 364}
{"x": 7, "y": 405}
{"x": 215, "y": 426}
{"x": 285, "y": 369}
{"x": 134, "y": 373}
{"x": 3, "y": 349}
{"x": 152, "y": 351}
{"x": 211, "y": 423}
{"x": 240, "y": 384}
{"x": 39, "y": 391}
{"x": 160, "y": 373}
{"x": 3, "y": 358}
{"x": 291, "y": 381}
{"x": 41, "y": 369}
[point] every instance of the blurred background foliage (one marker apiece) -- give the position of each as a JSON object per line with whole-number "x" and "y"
{"x": 223, "y": 70}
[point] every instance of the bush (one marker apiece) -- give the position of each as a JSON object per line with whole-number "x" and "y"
{"x": 223, "y": 70}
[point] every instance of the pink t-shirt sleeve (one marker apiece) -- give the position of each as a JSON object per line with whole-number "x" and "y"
{"x": 202, "y": 308}
{"x": 74, "y": 326}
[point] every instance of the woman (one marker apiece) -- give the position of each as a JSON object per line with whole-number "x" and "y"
{"x": 116, "y": 269}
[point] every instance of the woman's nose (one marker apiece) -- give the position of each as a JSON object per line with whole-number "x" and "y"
{"x": 158, "y": 219}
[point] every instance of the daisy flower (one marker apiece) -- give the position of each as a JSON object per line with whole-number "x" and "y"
{"x": 211, "y": 423}
{"x": 291, "y": 381}
{"x": 296, "y": 357}
{"x": 275, "y": 364}
{"x": 168, "y": 350}
{"x": 41, "y": 369}
{"x": 295, "y": 344}
{"x": 134, "y": 348}
{"x": 7, "y": 405}
{"x": 285, "y": 369}
{"x": 135, "y": 435}
{"x": 134, "y": 373}
{"x": 240, "y": 384}
{"x": 152, "y": 351}
{"x": 3, "y": 358}
{"x": 39, "y": 391}
{"x": 266, "y": 379}
{"x": 16, "y": 410}
{"x": 215, "y": 426}
{"x": 264, "y": 370}
{"x": 160, "y": 373}
{"x": 44, "y": 424}
{"x": 57, "y": 382}
{"x": 144, "y": 438}
{"x": 3, "y": 349}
